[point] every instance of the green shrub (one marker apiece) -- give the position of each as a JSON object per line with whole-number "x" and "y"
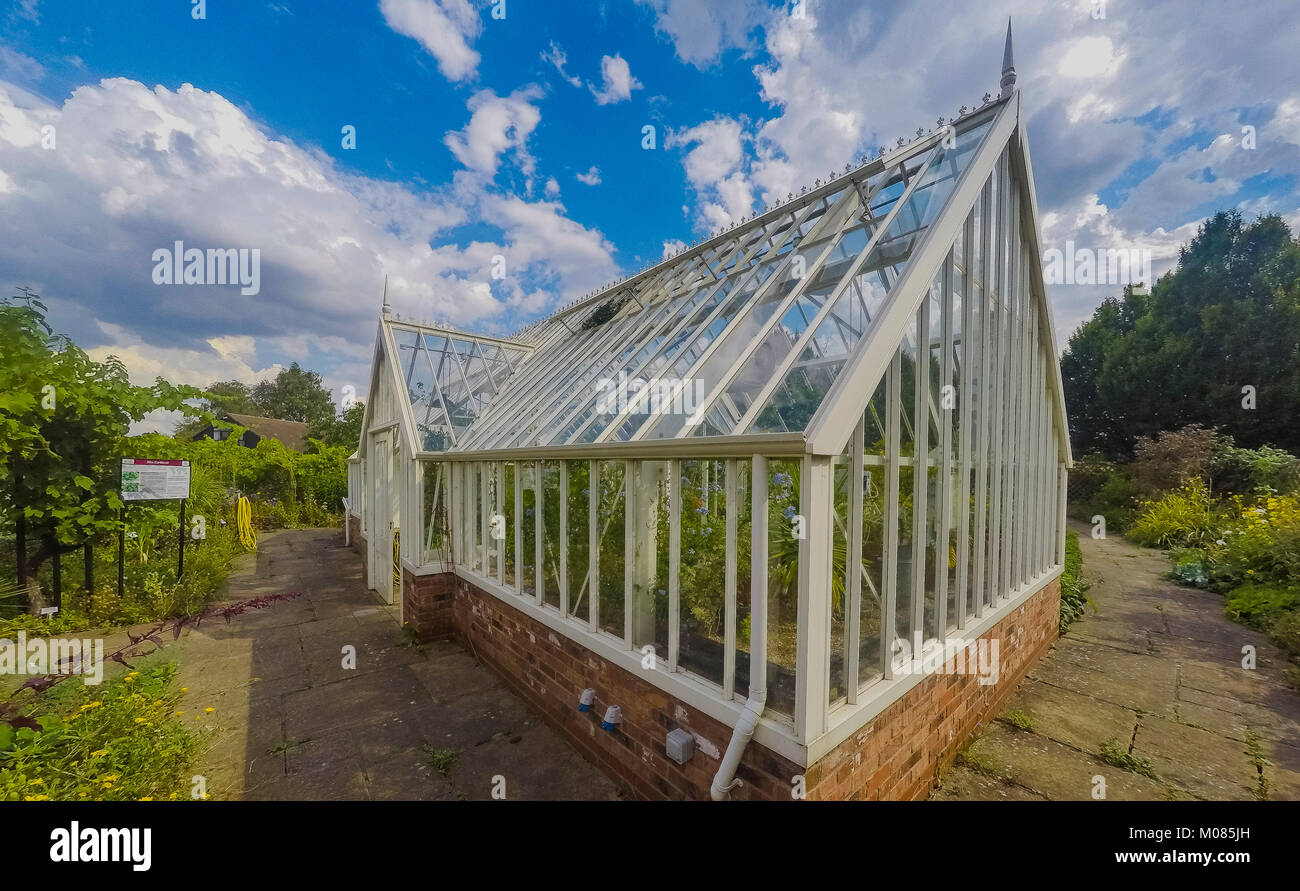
{"x": 1254, "y": 471}
{"x": 1073, "y": 587}
{"x": 122, "y": 741}
{"x": 1286, "y": 632}
{"x": 1186, "y": 517}
{"x": 1260, "y": 606}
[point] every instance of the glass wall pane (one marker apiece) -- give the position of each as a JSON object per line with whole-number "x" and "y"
{"x": 874, "y": 491}
{"x": 957, "y": 411}
{"x": 436, "y": 529}
{"x": 743, "y": 546}
{"x": 935, "y": 417}
{"x": 611, "y": 520}
{"x": 579, "y": 541}
{"x": 551, "y": 542}
{"x": 703, "y": 517}
{"x": 527, "y": 555}
{"x": 782, "y": 583}
{"x": 508, "y": 511}
{"x": 653, "y": 507}
{"x": 906, "y": 484}
{"x": 842, "y": 481}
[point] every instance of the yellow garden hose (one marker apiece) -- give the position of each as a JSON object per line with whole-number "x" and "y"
{"x": 244, "y": 522}
{"x": 397, "y": 560}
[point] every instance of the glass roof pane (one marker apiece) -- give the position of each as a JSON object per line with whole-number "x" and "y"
{"x": 811, "y": 375}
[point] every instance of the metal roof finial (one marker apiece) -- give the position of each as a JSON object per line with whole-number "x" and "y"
{"x": 1008, "y": 81}
{"x": 386, "y": 309}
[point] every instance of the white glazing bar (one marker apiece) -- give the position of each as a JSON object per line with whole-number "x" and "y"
{"x": 730, "y": 613}
{"x": 893, "y": 417}
{"x": 920, "y": 461}
{"x": 943, "y": 497}
{"x": 966, "y": 393}
{"x": 983, "y": 411}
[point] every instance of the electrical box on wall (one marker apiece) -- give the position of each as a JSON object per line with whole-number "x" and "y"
{"x": 680, "y": 745}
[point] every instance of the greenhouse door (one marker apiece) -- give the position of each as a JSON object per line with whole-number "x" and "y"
{"x": 380, "y": 557}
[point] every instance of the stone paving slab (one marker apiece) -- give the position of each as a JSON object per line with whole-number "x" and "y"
{"x": 1157, "y": 671}
{"x": 292, "y": 722}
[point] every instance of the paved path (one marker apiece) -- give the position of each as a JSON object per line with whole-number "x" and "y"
{"x": 1156, "y": 675}
{"x": 405, "y": 723}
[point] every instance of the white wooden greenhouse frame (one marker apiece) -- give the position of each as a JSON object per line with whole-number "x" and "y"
{"x": 801, "y": 329}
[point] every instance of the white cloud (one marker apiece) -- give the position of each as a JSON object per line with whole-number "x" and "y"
{"x": 591, "y": 177}
{"x": 557, "y": 57}
{"x": 618, "y": 81}
{"x": 17, "y": 65}
{"x": 713, "y": 167}
{"x": 673, "y": 246}
{"x": 445, "y": 28}
{"x": 552, "y": 188}
{"x": 702, "y": 31}
{"x": 138, "y": 168}
{"x": 497, "y": 124}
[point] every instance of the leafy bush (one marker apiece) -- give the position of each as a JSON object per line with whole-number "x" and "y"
{"x": 1250, "y": 471}
{"x": 1286, "y": 633}
{"x": 1183, "y": 518}
{"x": 1260, "y": 606}
{"x": 1100, "y": 486}
{"x": 1172, "y": 459}
{"x": 124, "y": 741}
{"x": 1261, "y": 543}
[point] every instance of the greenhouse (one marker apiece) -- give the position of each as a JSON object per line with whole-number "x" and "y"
{"x": 738, "y": 496}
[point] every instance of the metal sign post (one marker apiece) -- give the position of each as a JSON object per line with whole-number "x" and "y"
{"x": 152, "y": 479}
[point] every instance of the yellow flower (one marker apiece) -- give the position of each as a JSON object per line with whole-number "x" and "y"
{"x": 113, "y": 777}
{"x": 209, "y": 710}
{"x": 129, "y": 679}
{"x": 180, "y": 711}
{"x": 37, "y": 782}
{"x": 99, "y": 754}
{"x": 36, "y": 798}
{"x": 147, "y": 798}
{"x": 139, "y": 720}
{"x": 157, "y": 702}
{"x": 185, "y": 689}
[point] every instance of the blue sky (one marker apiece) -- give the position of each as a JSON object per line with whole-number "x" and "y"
{"x": 481, "y": 135}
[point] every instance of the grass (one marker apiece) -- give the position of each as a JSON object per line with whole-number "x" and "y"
{"x": 287, "y": 745}
{"x": 440, "y": 760}
{"x": 1114, "y": 753}
{"x": 1019, "y": 720}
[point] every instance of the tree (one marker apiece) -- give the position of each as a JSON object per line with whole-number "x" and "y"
{"x": 221, "y": 396}
{"x": 345, "y": 430}
{"x": 1216, "y": 343}
{"x": 295, "y": 395}
{"x": 62, "y": 421}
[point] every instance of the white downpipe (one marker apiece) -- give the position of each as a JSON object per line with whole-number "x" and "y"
{"x": 725, "y": 779}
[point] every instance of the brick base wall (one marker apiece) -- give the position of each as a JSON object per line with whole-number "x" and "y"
{"x": 427, "y": 604}
{"x": 896, "y": 755}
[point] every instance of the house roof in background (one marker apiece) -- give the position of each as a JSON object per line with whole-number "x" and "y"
{"x": 292, "y": 433}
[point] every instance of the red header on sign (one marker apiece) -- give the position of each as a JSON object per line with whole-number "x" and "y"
{"x": 154, "y": 461}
